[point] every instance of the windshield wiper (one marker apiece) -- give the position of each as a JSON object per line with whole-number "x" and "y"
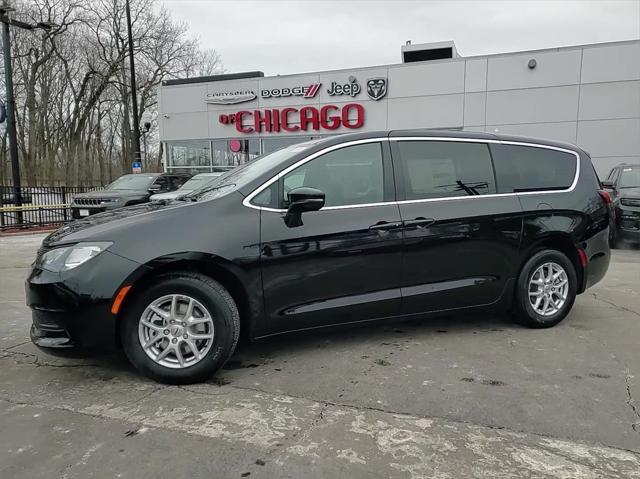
{"x": 196, "y": 195}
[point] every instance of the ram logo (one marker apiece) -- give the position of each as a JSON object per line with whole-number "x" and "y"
{"x": 376, "y": 88}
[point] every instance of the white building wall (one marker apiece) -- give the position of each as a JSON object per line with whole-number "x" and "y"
{"x": 588, "y": 95}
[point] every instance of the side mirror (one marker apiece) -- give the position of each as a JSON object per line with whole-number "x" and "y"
{"x": 608, "y": 184}
{"x": 155, "y": 188}
{"x": 301, "y": 200}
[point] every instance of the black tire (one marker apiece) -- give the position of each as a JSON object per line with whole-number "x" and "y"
{"x": 221, "y": 307}
{"x": 523, "y": 310}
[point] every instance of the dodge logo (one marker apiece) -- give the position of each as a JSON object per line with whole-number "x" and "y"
{"x": 303, "y": 91}
{"x": 376, "y": 88}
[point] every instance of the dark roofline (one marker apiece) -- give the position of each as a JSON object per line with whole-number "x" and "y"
{"x": 211, "y": 78}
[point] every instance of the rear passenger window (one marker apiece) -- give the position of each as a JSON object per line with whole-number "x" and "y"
{"x": 439, "y": 169}
{"x": 529, "y": 168}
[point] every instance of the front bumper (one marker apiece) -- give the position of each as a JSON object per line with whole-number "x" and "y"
{"x": 71, "y": 311}
{"x": 628, "y": 223}
{"x": 92, "y": 210}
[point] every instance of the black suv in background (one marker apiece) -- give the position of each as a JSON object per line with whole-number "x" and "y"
{"x": 347, "y": 229}
{"x": 126, "y": 191}
{"x": 623, "y": 182}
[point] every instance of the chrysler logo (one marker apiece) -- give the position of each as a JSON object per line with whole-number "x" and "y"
{"x": 230, "y": 98}
{"x": 376, "y": 88}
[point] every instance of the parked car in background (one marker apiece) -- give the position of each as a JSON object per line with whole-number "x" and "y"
{"x": 127, "y": 190}
{"x": 194, "y": 183}
{"x": 623, "y": 183}
{"x": 346, "y": 229}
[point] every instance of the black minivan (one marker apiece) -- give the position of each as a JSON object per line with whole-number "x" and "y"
{"x": 346, "y": 229}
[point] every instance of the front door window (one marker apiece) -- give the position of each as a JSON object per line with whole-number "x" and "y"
{"x": 348, "y": 176}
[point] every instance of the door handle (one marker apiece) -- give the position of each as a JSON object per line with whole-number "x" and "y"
{"x": 420, "y": 222}
{"x": 385, "y": 226}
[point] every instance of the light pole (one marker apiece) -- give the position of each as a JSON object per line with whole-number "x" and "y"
{"x": 145, "y": 131}
{"x": 5, "y": 10}
{"x": 134, "y": 95}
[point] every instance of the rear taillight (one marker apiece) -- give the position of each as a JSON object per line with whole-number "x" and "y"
{"x": 605, "y": 196}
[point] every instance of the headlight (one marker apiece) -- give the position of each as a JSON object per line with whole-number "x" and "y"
{"x": 69, "y": 257}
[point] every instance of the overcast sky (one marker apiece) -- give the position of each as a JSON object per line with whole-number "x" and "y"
{"x": 281, "y": 37}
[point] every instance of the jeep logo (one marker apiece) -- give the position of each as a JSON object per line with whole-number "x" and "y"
{"x": 352, "y": 88}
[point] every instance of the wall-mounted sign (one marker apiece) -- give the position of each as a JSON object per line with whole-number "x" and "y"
{"x": 352, "y": 88}
{"x": 328, "y": 117}
{"x": 229, "y": 97}
{"x": 235, "y": 145}
{"x": 376, "y": 88}
{"x": 303, "y": 91}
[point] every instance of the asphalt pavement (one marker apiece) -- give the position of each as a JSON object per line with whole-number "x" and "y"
{"x": 456, "y": 397}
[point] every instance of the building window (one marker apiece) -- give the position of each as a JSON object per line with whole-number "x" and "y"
{"x": 234, "y": 152}
{"x": 188, "y": 154}
{"x": 204, "y": 156}
{"x": 269, "y": 145}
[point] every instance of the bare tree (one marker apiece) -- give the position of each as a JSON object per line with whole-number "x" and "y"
{"x": 71, "y": 85}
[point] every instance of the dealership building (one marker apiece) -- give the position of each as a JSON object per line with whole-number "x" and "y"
{"x": 588, "y": 95}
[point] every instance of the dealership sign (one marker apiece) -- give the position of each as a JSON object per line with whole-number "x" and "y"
{"x": 352, "y": 88}
{"x": 230, "y": 97}
{"x": 304, "y": 91}
{"x": 328, "y": 117}
{"x": 377, "y": 88}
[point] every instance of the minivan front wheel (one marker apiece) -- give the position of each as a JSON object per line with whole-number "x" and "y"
{"x": 182, "y": 329}
{"x": 546, "y": 289}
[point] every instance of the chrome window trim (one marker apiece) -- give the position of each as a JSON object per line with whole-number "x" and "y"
{"x": 247, "y": 201}
{"x": 257, "y": 191}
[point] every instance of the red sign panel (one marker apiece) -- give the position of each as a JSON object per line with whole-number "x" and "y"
{"x": 328, "y": 117}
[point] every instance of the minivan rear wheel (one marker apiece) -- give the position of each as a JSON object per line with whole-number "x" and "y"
{"x": 182, "y": 329}
{"x": 546, "y": 289}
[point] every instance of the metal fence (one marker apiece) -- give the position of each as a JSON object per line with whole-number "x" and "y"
{"x": 42, "y": 206}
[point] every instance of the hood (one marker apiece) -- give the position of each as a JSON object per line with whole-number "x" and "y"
{"x": 111, "y": 194}
{"x": 170, "y": 195}
{"x": 633, "y": 192}
{"x": 102, "y": 225}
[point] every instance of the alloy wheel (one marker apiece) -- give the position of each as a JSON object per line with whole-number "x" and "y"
{"x": 548, "y": 289}
{"x": 176, "y": 331}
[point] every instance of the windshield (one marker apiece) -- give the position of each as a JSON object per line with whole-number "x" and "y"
{"x": 198, "y": 182}
{"x": 250, "y": 171}
{"x": 132, "y": 182}
{"x": 630, "y": 178}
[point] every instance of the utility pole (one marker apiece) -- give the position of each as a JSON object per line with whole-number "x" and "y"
{"x": 145, "y": 132}
{"x": 11, "y": 118}
{"x": 6, "y": 21}
{"x": 134, "y": 94}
